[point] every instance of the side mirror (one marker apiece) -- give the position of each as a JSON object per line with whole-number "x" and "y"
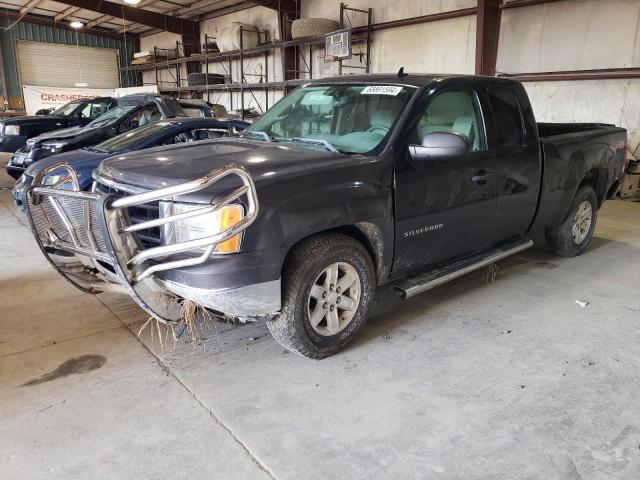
{"x": 440, "y": 145}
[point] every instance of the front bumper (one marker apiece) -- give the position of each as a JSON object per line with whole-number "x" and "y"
{"x": 88, "y": 238}
{"x": 19, "y": 192}
{"x": 19, "y": 163}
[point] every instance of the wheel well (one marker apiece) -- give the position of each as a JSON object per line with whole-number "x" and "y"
{"x": 597, "y": 178}
{"x": 368, "y": 235}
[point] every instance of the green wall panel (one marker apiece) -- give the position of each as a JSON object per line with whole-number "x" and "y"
{"x": 42, "y": 33}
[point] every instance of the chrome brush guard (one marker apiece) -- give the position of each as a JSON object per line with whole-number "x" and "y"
{"x": 89, "y": 238}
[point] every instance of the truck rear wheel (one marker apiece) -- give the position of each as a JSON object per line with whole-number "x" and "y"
{"x": 572, "y": 236}
{"x": 328, "y": 284}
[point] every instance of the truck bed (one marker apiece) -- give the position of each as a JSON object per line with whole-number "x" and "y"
{"x": 546, "y": 130}
{"x": 571, "y": 154}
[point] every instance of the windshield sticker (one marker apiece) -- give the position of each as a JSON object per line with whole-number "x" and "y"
{"x": 381, "y": 90}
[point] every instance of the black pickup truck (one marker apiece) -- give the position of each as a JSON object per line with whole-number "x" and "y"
{"x": 15, "y": 132}
{"x": 345, "y": 184}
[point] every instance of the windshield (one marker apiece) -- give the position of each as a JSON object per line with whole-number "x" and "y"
{"x": 347, "y": 118}
{"x": 66, "y": 110}
{"x": 125, "y": 140}
{"x": 111, "y": 115}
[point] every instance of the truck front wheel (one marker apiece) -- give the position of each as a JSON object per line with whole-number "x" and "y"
{"x": 328, "y": 284}
{"x": 572, "y": 236}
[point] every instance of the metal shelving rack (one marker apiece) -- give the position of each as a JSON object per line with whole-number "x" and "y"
{"x": 265, "y": 49}
{"x": 158, "y": 65}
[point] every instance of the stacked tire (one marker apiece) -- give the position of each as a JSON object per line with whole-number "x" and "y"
{"x": 197, "y": 79}
{"x": 312, "y": 27}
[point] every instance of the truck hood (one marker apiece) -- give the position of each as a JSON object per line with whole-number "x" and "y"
{"x": 39, "y": 119}
{"x": 265, "y": 161}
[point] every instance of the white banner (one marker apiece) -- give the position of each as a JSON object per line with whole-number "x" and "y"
{"x": 36, "y": 98}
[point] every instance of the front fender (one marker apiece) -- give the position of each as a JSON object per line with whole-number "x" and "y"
{"x": 357, "y": 197}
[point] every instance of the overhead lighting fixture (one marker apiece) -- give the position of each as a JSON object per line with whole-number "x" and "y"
{"x": 82, "y": 84}
{"x": 76, "y": 24}
{"x": 131, "y": 2}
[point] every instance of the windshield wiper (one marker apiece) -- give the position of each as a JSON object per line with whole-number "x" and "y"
{"x": 264, "y": 135}
{"x": 315, "y": 141}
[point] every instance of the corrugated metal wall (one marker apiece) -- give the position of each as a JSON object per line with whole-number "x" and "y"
{"x": 42, "y": 33}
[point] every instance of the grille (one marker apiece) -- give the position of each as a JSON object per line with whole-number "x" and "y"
{"x": 141, "y": 213}
{"x": 46, "y": 217}
{"x": 71, "y": 216}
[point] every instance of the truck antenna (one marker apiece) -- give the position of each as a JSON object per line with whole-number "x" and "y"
{"x": 401, "y": 73}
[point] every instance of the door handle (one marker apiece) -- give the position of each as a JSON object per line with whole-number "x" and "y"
{"x": 481, "y": 177}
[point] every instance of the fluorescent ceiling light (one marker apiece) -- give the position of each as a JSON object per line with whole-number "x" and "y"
{"x": 76, "y": 24}
{"x": 82, "y": 84}
{"x": 132, "y": 2}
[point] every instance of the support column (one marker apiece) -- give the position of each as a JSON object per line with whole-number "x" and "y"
{"x": 288, "y": 10}
{"x": 487, "y": 35}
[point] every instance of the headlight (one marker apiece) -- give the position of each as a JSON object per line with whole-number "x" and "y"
{"x": 12, "y": 130}
{"x": 201, "y": 226}
{"x": 51, "y": 180}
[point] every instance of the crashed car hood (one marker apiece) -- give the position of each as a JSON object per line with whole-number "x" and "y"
{"x": 265, "y": 161}
{"x": 62, "y": 134}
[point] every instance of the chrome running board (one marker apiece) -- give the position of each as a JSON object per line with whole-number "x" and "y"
{"x": 426, "y": 281}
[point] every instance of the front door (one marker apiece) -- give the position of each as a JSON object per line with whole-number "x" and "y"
{"x": 90, "y": 111}
{"x": 444, "y": 207}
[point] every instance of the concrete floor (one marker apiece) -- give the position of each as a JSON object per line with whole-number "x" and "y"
{"x": 472, "y": 381}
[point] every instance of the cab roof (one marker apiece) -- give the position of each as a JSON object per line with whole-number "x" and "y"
{"x": 409, "y": 79}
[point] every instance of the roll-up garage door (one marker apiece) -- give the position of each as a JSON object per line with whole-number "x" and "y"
{"x": 57, "y": 65}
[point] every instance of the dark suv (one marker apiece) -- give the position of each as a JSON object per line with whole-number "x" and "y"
{"x": 131, "y": 111}
{"x": 15, "y": 132}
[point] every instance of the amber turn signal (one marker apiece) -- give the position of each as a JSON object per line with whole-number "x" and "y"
{"x": 227, "y": 218}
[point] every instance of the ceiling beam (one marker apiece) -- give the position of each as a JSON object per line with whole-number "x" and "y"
{"x": 98, "y": 21}
{"x": 238, "y": 7}
{"x": 106, "y": 18}
{"x": 65, "y": 13}
{"x": 29, "y": 6}
{"x": 137, "y": 15}
{"x": 146, "y": 33}
{"x": 64, "y": 26}
{"x": 132, "y": 27}
{"x": 193, "y": 7}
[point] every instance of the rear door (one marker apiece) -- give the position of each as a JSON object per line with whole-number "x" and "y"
{"x": 445, "y": 207}
{"x": 517, "y": 166}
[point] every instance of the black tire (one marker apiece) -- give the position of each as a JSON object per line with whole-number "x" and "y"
{"x": 561, "y": 239}
{"x": 197, "y": 79}
{"x": 304, "y": 267}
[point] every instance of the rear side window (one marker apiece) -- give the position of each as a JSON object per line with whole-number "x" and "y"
{"x": 508, "y": 117}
